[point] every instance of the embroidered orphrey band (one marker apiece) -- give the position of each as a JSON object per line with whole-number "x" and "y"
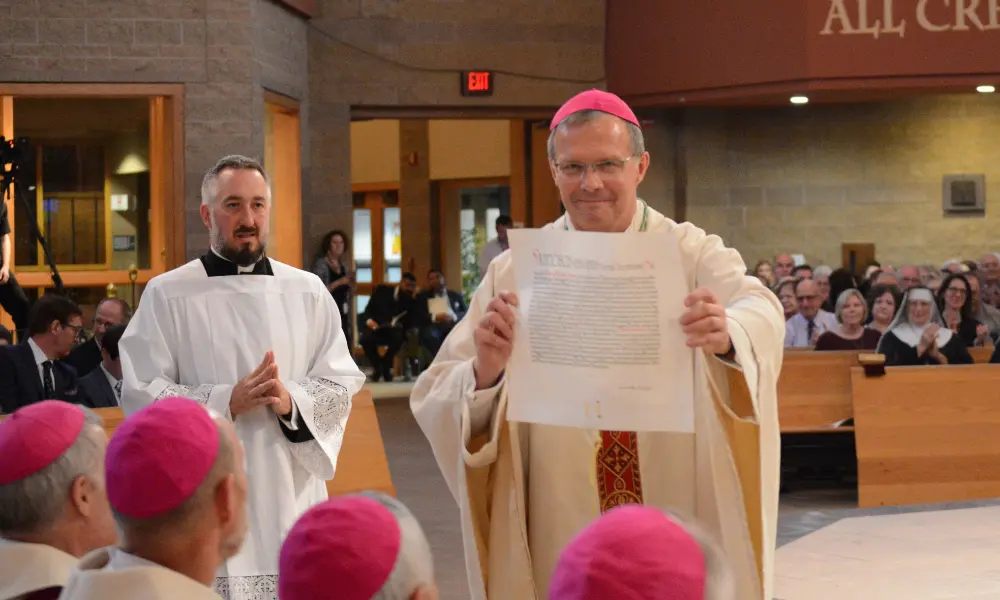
{"x": 618, "y": 478}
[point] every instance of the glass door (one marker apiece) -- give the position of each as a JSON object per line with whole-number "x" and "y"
{"x": 378, "y": 244}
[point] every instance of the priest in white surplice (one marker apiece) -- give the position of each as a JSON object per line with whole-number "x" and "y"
{"x": 260, "y": 342}
{"x": 525, "y": 490}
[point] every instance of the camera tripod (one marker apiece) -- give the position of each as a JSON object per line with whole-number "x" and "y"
{"x": 12, "y": 154}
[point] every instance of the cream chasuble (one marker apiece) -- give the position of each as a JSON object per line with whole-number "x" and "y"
{"x": 501, "y": 472}
{"x": 26, "y": 568}
{"x": 109, "y": 573}
{"x": 196, "y": 335}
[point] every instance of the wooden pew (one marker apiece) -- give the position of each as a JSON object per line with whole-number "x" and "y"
{"x": 981, "y": 355}
{"x": 927, "y": 434}
{"x": 814, "y": 390}
{"x": 362, "y": 464}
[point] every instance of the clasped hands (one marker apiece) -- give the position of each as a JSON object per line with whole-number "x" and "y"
{"x": 928, "y": 341}
{"x": 261, "y": 388}
{"x": 704, "y": 323}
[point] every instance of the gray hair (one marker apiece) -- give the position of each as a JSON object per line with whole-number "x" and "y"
{"x": 822, "y": 271}
{"x": 414, "y": 567}
{"x": 720, "y": 584}
{"x": 34, "y": 504}
{"x": 179, "y": 519}
{"x": 636, "y": 147}
{"x": 842, "y": 300}
{"x": 210, "y": 184}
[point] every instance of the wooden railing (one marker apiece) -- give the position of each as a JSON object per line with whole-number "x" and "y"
{"x": 362, "y": 464}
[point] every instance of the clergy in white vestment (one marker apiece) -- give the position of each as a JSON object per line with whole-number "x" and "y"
{"x": 53, "y": 507}
{"x": 366, "y": 546}
{"x": 524, "y": 490}
{"x": 260, "y": 342}
{"x": 177, "y": 486}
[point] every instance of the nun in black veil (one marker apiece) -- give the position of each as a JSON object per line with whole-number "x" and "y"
{"x": 918, "y": 335}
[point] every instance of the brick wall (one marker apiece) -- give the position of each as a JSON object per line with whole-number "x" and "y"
{"x": 806, "y": 179}
{"x": 543, "y": 37}
{"x": 222, "y": 50}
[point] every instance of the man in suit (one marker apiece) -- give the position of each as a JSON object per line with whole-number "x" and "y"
{"x": 438, "y": 310}
{"x": 386, "y": 317}
{"x": 102, "y": 387}
{"x": 87, "y": 356}
{"x": 33, "y": 371}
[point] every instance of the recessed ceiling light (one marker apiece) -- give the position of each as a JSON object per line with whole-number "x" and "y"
{"x": 799, "y": 100}
{"x": 986, "y": 89}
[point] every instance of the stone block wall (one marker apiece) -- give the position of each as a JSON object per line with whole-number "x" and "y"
{"x": 807, "y": 179}
{"x": 553, "y": 39}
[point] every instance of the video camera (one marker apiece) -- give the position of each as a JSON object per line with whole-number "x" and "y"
{"x": 13, "y": 153}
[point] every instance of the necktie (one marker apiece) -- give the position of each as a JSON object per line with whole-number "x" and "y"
{"x": 810, "y": 329}
{"x": 50, "y": 388}
{"x": 118, "y": 390}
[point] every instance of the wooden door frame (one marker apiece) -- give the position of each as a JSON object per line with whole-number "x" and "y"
{"x": 167, "y": 230}
{"x": 446, "y": 189}
{"x": 374, "y": 203}
{"x": 286, "y": 171}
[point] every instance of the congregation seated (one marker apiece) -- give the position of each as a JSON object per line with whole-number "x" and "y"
{"x": 785, "y": 291}
{"x": 850, "y": 333}
{"x": 883, "y": 302}
{"x": 181, "y": 513}
{"x": 86, "y": 356}
{"x": 918, "y": 335}
{"x": 33, "y": 371}
{"x": 438, "y": 310}
{"x": 803, "y": 329}
{"x": 366, "y": 546}
{"x": 102, "y": 387}
{"x": 638, "y": 552}
{"x": 954, "y": 300}
{"x": 385, "y": 320}
{"x": 52, "y": 490}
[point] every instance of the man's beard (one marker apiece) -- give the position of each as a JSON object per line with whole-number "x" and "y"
{"x": 244, "y": 254}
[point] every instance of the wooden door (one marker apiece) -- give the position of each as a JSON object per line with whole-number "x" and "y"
{"x": 377, "y": 245}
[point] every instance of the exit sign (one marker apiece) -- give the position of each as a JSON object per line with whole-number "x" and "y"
{"x": 477, "y": 83}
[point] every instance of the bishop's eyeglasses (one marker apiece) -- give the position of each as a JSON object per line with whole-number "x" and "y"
{"x": 604, "y": 169}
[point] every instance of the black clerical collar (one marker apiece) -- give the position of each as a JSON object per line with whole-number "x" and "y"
{"x": 216, "y": 266}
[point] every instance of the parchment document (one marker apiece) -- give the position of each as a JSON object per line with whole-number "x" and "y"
{"x": 598, "y": 342}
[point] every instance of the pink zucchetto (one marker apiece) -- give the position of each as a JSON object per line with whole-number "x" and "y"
{"x": 631, "y": 553}
{"x": 159, "y": 456}
{"x": 343, "y": 549}
{"x": 595, "y": 100}
{"x": 35, "y": 436}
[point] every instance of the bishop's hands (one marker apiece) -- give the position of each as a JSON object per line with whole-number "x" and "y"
{"x": 494, "y": 339}
{"x": 261, "y": 388}
{"x": 705, "y": 323}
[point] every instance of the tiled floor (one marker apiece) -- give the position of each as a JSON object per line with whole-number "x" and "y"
{"x": 828, "y": 550}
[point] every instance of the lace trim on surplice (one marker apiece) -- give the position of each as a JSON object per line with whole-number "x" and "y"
{"x": 198, "y": 393}
{"x": 331, "y": 405}
{"x": 255, "y": 587}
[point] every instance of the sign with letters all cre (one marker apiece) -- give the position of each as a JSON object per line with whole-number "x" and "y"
{"x": 477, "y": 83}
{"x": 893, "y": 17}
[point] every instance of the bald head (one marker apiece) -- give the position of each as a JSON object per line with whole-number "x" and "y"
{"x": 809, "y": 299}
{"x": 783, "y": 265}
